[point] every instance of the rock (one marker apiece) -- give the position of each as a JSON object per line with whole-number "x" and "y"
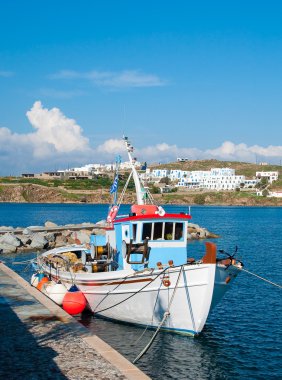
{"x": 38, "y": 241}
{"x": 25, "y": 239}
{"x": 49, "y": 224}
{"x": 102, "y": 222}
{"x": 189, "y": 237}
{"x": 50, "y": 236}
{"x": 9, "y": 239}
{"x": 7, "y": 248}
{"x": 211, "y": 235}
{"x": 52, "y": 244}
{"x": 83, "y": 236}
{"x": 195, "y": 235}
{"x": 98, "y": 231}
{"x": 201, "y": 233}
{"x": 60, "y": 241}
{"x": 193, "y": 225}
{"x": 27, "y": 231}
{"x": 66, "y": 233}
{"x": 5, "y": 228}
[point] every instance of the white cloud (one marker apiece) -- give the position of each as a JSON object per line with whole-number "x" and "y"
{"x": 122, "y": 79}
{"x": 56, "y": 139}
{"x": 58, "y": 142}
{"x": 164, "y": 152}
{"x": 111, "y": 146}
{"x": 54, "y": 132}
{"x": 242, "y": 152}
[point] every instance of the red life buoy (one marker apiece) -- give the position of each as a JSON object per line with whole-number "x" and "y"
{"x": 112, "y": 214}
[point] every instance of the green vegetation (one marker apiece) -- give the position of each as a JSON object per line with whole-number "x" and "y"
{"x": 72, "y": 184}
{"x": 165, "y": 180}
{"x": 200, "y": 199}
{"x": 34, "y": 181}
{"x": 155, "y": 190}
{"x": 276, "y": 185}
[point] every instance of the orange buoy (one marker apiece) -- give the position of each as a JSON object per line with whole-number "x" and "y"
{"x": 74, "y": 301}
{"x": 166, "y": 281}
{"x": 42, "y": 282}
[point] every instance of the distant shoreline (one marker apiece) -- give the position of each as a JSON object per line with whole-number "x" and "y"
{"x": 33, "y": 193}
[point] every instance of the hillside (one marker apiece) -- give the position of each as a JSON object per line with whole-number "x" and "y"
{"x": 241, "y": 168}
{"x": 96, "y": 190}
{"x": 33, "y": 193}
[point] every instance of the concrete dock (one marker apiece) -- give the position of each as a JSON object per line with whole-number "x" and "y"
{"x": 39, "y": 340}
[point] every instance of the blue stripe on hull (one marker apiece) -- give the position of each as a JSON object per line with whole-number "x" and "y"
{"x": 164, "y": 329}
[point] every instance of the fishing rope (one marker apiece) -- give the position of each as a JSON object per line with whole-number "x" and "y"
{"x": 110, "y": 291}
{"x": 261, "y": 278}
{"x": 132, "y": 295}
{"x": 165, "y": 316}
{"x": 22, "y": 262}
{"x": 124, "y": 189}
{"x": 152, "y": 318}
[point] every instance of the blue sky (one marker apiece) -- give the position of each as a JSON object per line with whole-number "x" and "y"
{"x": 200, "y": 79}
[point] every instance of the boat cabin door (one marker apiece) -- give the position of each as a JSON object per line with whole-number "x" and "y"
{"x": 125, "y": 233}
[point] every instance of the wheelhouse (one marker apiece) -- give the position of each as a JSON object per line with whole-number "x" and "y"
{"x": 151, "y": 240}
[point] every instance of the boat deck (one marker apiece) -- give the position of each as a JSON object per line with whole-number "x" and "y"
{"x": 39, "y": 340}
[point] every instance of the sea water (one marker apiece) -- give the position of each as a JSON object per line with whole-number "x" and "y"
{"x": 242, "y": 338}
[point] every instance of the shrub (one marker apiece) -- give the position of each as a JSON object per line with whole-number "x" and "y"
{"x": 155, "y": 190}
{"x": 200, "y": 199}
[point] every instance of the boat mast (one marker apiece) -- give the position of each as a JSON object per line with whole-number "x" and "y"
{"x": 140, "y": 191}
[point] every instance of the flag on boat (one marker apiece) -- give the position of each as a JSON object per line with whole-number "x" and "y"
{"x": 114, "y": 186}
{"x": 144, "y": 166}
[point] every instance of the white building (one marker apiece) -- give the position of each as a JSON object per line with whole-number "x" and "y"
{"x": 276, "y": 194}
{"x": 215, "y": 179}
{"x": 251, "y": 183}
{"x": 177, "y": 174}
{"x": 270, "y": 176}
{"x": 160, "y": 173}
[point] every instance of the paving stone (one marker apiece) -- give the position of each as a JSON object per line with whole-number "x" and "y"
{"x": 36, "y": 345}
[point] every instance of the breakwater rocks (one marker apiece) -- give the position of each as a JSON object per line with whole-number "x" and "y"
{"x": 37, "y": 238}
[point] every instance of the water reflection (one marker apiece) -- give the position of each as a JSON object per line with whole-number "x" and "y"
{"x": 171, "y": 356}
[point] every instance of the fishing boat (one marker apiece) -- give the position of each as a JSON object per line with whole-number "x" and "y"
{"x": 139, "y": 271}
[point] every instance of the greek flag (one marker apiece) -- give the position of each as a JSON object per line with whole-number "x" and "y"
{"x": 114, "y": 186}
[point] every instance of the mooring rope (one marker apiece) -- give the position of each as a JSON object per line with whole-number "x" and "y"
{"x": 261, "y": 278}
{"x": 133, "y": 294}
{"x": 166, "y": 314}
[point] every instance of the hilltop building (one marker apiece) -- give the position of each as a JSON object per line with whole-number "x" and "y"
{"x": 270, "y": 176}
{"x": 214, "y": 179}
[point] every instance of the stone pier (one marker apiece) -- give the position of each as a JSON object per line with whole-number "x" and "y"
{"x": 39, "y": 340}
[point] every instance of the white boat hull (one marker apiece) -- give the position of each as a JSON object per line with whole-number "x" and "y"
{"x": 142, "y": 298}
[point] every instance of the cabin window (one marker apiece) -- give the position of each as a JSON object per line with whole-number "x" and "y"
{"x": 134, "y": 231}
{"x": 158, "y": 231}
{"x": 178, "y": 231}
{"x": 147, "y": 231}
{"x": 168, "y": 231}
